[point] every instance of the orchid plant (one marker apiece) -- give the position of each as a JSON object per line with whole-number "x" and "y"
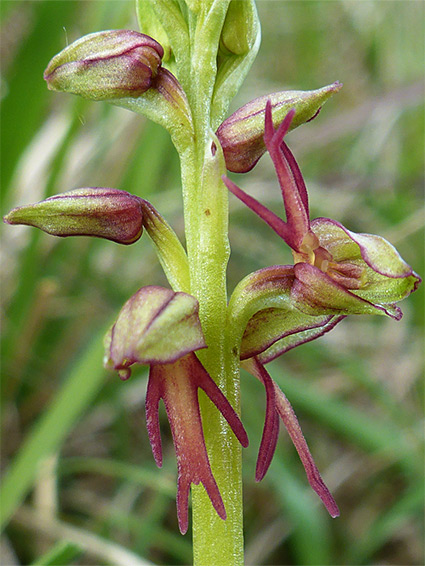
{"x": 182, "y": 71}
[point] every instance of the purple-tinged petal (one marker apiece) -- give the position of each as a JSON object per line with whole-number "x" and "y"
{"x": 156, "y": 325}
{"x": 276, "y": 278}
{"x": 289, "y": 418}
{"x": 271, "y": 423}
{"x": 177, "y": 384}
{"x": 263, "y": 289}
{"x": 315, "y": 293}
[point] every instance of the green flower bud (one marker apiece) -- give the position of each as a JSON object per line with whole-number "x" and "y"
{"x": 241, "y": 135}
{"x": 239, "y": 31}
{"x": 106, "y": 65}
{"x": 105, "y": 213}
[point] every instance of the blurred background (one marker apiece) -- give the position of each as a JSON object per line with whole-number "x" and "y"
{"x": 82, "y": 486}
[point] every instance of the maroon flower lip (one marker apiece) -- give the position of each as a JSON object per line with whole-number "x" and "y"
{"x": 279, "y": 406}
{"x": 177, "y": 384}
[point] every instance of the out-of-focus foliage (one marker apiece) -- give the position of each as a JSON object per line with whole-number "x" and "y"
{"x": 74, "y": 437}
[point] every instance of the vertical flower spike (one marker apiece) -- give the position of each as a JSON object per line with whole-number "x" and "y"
{"x": 161, "y": 328}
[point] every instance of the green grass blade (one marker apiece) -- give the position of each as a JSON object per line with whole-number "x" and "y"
{"x": 51, "y": 429}
{"x": 62, "y": 554}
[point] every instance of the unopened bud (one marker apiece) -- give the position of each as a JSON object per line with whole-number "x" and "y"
{"x": 241, "y": 135}
{"x": 104, "y": 213}
{"x": 239, "y": 31}
{"x": 106, "y": 65}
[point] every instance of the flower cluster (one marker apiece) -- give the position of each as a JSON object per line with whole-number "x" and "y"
{"x": 335, "y": 272}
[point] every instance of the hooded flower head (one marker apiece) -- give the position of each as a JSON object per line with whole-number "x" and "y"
{"x": 161, "y": 328}
{"x": 335, "y": 273}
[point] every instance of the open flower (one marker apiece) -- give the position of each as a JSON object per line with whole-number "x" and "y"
{"x": 335, "y": 273}
{"x": 161, "y": 328}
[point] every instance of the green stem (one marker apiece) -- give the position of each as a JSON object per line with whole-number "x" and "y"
{"x": 205, "y": 199}
{"x": 215, "y": 541}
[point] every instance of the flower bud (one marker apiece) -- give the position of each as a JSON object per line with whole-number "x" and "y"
{"x": 105, "y": 213}
{"x": 241, "y": 135}
{"x": 239, "y": 31}
{"x": 106, "y": 65}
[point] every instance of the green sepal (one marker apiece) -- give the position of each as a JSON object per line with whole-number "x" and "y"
{"x": 106, "y": 65}
{"x": 288, "y": 326}
{"x": 99, "y": 212}
{"x": 385, "y": 277}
